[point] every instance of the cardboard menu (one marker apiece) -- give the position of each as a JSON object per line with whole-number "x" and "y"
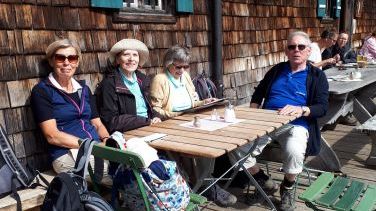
{"x": 222, "y": 101}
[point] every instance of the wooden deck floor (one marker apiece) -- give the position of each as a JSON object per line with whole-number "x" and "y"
{"x": 352, "y": 148}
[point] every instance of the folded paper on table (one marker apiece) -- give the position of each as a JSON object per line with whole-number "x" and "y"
{"x": 211, "y": 125}
{"x": 150, "y": 138}
{"x": 344, "y": 78}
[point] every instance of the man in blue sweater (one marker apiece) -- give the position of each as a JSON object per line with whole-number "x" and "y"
{"x": 293, "y": 88}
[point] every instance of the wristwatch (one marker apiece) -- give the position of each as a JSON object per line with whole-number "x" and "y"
{"x": 305, "y": 110}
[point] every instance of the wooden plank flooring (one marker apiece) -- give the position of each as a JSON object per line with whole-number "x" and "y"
{"x": 352, "y": 148}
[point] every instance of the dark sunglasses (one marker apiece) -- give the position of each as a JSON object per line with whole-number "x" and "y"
{"x": 293, "y": 47}
{"x": 73, "y": 59}
{"x": 181, "y": 66}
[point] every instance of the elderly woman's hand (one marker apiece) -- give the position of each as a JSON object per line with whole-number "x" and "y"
{"x": 155, "y": 120}
{"x": 210, "y": 100}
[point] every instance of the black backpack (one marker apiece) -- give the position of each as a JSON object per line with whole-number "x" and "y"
{"x": 13, "y": 175}
{"x": 69, "y": 192}
{"x": 205, "y": 87}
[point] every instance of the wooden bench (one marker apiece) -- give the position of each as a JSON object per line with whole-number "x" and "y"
{"x": 370, "y": 127}
{"x": 30, "y": 198}
{"x": 340, "y": 193}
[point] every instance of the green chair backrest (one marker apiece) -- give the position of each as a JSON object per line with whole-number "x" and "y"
{"x": 340, "y": 193}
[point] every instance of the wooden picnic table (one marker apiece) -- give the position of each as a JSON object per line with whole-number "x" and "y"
{"x": 212, "y": 144}
{"x": 347, "y": 96}
{"x": 209, "y": 145}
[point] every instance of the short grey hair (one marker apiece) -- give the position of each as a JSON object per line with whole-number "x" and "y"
{"x": 176, "y": 53}
{"x": 59, "y": 44}
{"x": 299, "y": 34}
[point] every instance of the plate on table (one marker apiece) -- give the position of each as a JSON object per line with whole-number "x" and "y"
{"x": 350, "y": 65}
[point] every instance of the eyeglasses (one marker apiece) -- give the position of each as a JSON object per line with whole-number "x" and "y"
{"x": 333, "y": 40}
{"x": 181, "y": 66}
{"x": 293, "y": 47}
{"x": 73, "y": 59}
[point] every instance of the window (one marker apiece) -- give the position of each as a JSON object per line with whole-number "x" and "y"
{"x": 328, "y": 9}
{"x": 153, "y": 11}
{"x": 144, "y": 5}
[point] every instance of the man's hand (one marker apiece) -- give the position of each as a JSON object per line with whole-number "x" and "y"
{"x": 155, "y": 120}
{"x": 254, "y": 105}
{"x": 290, "y": 110}
{"x": 337, "y": 57}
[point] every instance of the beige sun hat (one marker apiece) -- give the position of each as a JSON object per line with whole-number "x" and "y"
{"x": 130, "y": 44}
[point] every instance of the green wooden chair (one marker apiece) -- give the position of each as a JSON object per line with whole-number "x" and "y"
{"x": 136, "y": 163}
{"x": 340, "y": 193}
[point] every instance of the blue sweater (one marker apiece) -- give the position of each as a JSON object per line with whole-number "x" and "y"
{"x": 317, "y": 99}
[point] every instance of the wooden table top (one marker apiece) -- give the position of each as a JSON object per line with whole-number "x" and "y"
{"x": 212, "y": 144}
{"x": 342, "y": 87}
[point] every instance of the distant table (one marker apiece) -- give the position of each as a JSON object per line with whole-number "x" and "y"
{"x": 351, "y": 96}
{"x": 347, "y": 97}
{"x": 211, "y": 145}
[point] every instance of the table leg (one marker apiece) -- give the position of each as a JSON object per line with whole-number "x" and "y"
{"x": 364, "y": 98}
{"x": 338, "y": 106}
{"x": 371, "y": 160}
{"x": 327, "y": 159}
{"x": 203, "y": 169}
{"x": 239, "y": 164}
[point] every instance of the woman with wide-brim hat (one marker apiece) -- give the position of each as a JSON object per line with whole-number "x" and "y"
{"x": 123, "y": 100}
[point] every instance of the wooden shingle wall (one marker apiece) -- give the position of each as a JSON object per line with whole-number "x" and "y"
{"x": 365, "y": 24}
{"x": 254, "y": 34}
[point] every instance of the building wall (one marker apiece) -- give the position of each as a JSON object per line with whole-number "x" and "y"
{"x": 254, "y": 34}
{"x": 365, "y": 24}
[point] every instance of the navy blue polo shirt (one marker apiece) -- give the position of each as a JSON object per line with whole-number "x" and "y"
{"x": 289, "y": 89}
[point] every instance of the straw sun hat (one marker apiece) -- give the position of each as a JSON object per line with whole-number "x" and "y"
{"x": 130, "y": 44}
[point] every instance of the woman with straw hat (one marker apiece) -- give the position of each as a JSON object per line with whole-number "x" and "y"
{"x": 123, "y": 100}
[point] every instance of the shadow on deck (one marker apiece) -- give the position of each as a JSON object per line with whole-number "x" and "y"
{"x": 351, "y": 147}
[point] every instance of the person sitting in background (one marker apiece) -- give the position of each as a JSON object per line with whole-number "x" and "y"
{"x": 64, "y": 108}
{"x": 123, "y": 96}
{"x": 327, "y": 40}
{"x": 341, "y": 48}
{"x": 369, "y": 47}
{"x": 347, "y": 55}
{"x": 173, "y": 91}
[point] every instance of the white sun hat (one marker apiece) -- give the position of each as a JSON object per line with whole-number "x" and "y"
{"x": 130, "y": 44}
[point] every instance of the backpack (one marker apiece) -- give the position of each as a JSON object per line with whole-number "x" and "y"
{"x": 68, "y": 191}
{"x": 14, "y": 175}
{"x": 205, "y": 87}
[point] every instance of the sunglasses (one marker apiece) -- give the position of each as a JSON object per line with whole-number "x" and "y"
{"x": 181, "y": 66}
{"x": 73, "y": 59}
{"x": 293, "y": 47}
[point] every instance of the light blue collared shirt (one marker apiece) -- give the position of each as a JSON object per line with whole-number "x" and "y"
{"x": 135, "y": 89}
